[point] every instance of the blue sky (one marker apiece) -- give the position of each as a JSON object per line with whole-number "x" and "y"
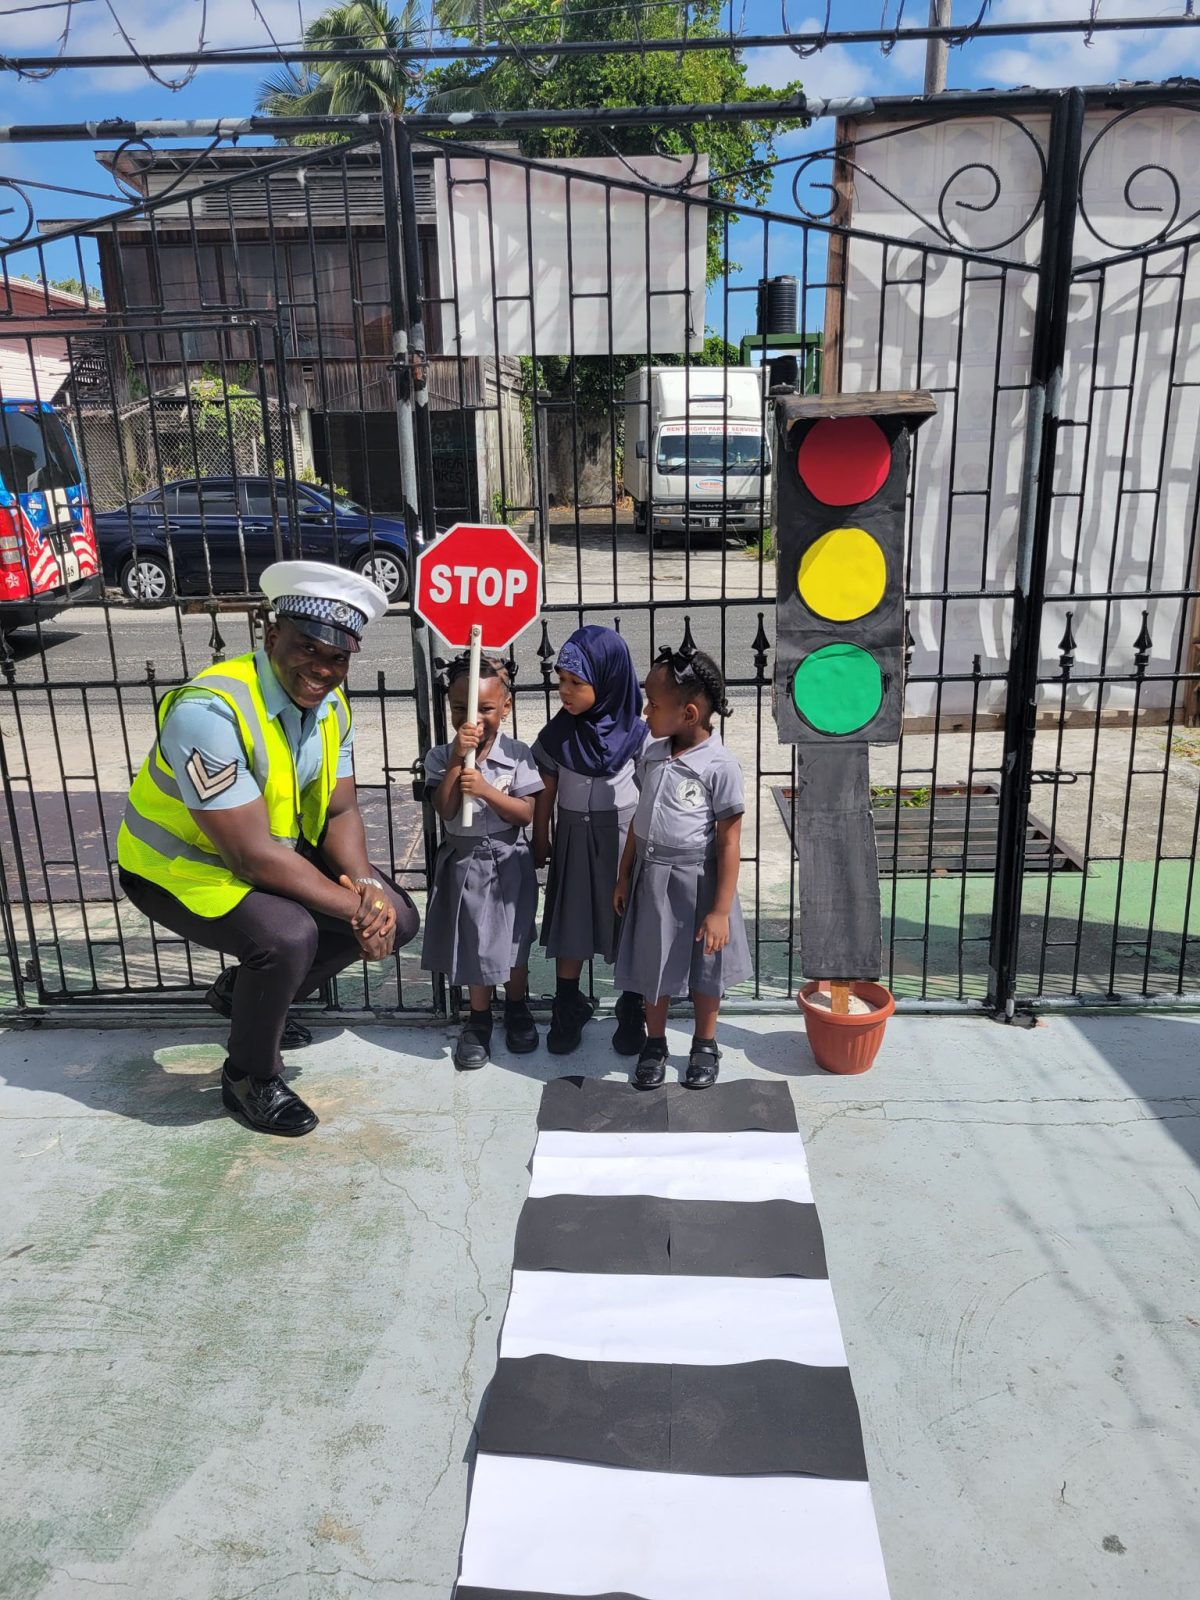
{"x": 165, "y": 24}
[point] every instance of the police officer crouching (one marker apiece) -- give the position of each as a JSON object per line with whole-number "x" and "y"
{"x": 243, "y": 834}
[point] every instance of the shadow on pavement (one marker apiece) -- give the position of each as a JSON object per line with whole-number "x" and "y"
{"x": 176, "y": 1083}
{"x": 1159, "y": 1058}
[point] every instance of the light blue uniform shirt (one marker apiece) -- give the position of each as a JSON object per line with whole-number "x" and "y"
{"x": 202, "y": 724}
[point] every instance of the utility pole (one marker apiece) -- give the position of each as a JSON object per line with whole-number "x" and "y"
{"x": 937, "y": 50}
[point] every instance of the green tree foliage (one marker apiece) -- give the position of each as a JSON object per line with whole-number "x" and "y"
{"x": 595, "y": 383}
{"x": 75, "y": 286}
{"x": 350, "y": 88}
{"x": 740, "y": 153}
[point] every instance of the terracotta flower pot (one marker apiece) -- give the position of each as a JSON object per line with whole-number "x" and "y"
{"x": 846, "y": 1043}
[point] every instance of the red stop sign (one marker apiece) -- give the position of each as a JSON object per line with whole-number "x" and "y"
{"x": 478, "y": 573}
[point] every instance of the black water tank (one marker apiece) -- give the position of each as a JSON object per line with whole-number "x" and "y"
{"x": 777, "y": 305}
{"x": 783, "y": 373}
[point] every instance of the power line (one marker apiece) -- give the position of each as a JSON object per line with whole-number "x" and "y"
{"x": 584, "y": 47}
{"x": 43, "y": 5}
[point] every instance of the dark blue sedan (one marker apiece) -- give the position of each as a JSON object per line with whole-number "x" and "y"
{"x": 217, "y": 535}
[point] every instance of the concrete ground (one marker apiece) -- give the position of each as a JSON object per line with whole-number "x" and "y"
{"x": 238, "y": 1367}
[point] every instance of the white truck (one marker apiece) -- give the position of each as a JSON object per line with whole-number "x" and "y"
{"x": 697, "y": 451}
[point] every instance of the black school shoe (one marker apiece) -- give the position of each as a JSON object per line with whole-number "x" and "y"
{"x": 651, "y": 1070}
{"x": 267, "y": 1104}
{"x": 220, "y": 998}
{"x": 474, "y": 1043}
{"x": 703, "y": 1064}
{"x": 520, "y": 1033}
{"x": 570, "y": 1016}
{"x": 630, "y": 1034}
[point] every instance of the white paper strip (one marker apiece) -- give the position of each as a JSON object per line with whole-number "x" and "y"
{"x": 676, "y": 1166}
{"x": 565, "y": 1528}
{"x": 606, "y": 1316}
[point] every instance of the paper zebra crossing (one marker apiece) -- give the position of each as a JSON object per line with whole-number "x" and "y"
{"x": 672, "y": 1416}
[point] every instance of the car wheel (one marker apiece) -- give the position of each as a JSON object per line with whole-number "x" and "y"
{"x": 146, "y": 577}
{"x": 388, "y": 570}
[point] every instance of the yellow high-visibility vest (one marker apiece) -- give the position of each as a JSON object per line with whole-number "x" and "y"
{"x": 159, "y": 838}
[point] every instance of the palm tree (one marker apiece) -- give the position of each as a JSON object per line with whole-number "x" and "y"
{"x": 349, "y": 88}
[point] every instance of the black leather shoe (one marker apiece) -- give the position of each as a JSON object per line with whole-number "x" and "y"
{"x": 268, "y": 1105}
{"x": 520, "y": 1033}
{"x": 631, "y": 1025}
{"x": 651, "y": 1070}
{"x": 570, "y": 1016}
{"x": 220, "y": 998}
{"x": 704, "y": 1063}
{"x": 473, "y": 1047}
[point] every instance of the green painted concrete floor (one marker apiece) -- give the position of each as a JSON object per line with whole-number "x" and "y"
{"x": 237, "y": 1367}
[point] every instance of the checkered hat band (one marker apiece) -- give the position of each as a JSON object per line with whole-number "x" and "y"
{"x": 333, "y": 613}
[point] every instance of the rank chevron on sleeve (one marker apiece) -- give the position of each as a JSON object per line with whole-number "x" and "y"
{"x": 210, "y": 782}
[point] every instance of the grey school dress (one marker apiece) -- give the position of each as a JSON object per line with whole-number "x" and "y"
{"x": 675, "y": 874}
{"x": 482, "y": 913}
{"x": 591, "y": 821}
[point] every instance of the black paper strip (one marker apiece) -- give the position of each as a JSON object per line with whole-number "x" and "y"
{"x": 755, "y": 1418}
{"x": 614, "y": 1413}
{"x": 596, "y": 1105}
{"x": 471, "y": 1592}
{"x": 690, "y": 1238}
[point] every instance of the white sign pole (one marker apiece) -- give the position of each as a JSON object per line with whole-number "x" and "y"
{"x": 468, "y": 805}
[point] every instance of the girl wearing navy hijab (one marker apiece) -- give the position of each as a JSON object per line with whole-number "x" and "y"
{"x": 586, "y": 755}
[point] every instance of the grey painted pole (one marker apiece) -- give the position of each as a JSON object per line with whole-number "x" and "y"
{"x": 937, "y": 51}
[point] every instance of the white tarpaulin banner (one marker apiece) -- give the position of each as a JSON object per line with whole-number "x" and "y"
{"x": 559, "y": 261}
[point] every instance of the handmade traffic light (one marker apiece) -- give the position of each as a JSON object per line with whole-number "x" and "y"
{"x": 841, "y": 475}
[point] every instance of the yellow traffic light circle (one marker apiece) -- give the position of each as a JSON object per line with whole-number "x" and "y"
{"x": 842, "y": 575}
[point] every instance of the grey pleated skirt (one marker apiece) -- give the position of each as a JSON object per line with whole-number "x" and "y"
{"x": 482, "y": 913}
{"x": 578, "y": 921}
{"x": 658, "y": 954}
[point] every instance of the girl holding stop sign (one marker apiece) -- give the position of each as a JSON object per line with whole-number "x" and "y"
{"x": 480, "y": 922}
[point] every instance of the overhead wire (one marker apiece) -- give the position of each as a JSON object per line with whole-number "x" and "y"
{"x": 534, "y": 53}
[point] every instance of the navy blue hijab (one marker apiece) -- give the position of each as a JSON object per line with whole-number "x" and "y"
{"x": 598, "y": 743}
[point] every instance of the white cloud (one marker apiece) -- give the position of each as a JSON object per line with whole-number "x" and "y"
{"x": 152, "y": 26}
{"x": 1061, "y": 60}
{"x": 830, "y": 75}
{"x": 839, "y": 70}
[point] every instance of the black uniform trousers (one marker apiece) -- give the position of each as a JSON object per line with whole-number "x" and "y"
{"x": 285, "y": 952}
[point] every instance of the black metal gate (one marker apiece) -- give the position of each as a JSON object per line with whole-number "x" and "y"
{"x": 309, "y": 348}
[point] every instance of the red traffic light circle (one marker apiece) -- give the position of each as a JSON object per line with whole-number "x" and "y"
{"x": 844, "y": 461}
{"x": 478, "y": 573}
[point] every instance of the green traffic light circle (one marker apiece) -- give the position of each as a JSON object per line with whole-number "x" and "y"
{"x": 838, "y": 688}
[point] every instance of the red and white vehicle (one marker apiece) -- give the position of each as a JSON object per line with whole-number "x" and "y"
{"x": 48, "y": 556}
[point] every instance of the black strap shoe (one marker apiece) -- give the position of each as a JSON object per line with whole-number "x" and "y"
{"x": 651, "y": 1070}
{"x": 474, "y": 1045}
{"x": 220, "y": 998}
{"x": 704, "y": 1063}
{"x": 630, "y": 1034}
{"x": 268, "y": 1105}
{"x": 520, "y": 1031}
{"x": 570, "y": 1016}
